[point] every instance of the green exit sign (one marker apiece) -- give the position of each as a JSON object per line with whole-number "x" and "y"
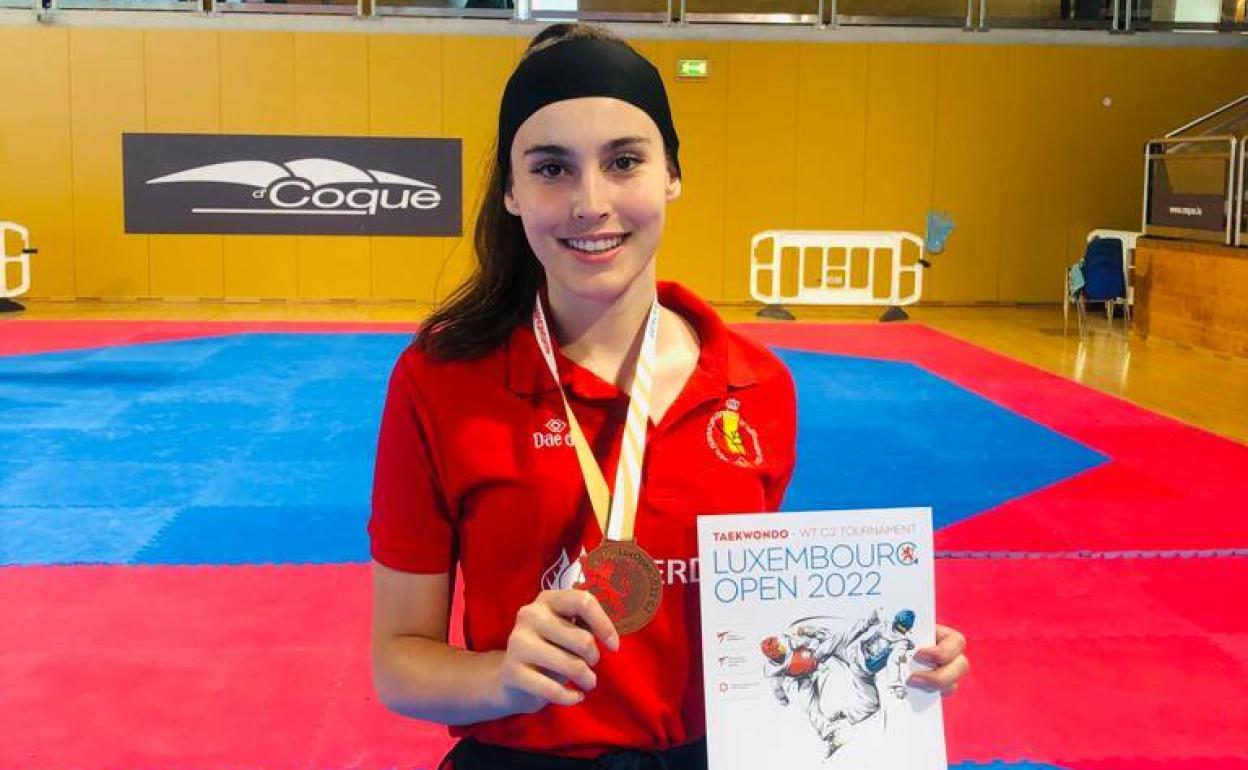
{"x": 692, "y": 68}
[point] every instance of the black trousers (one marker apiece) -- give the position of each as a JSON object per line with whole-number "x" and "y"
{"x": 469, "y": 754}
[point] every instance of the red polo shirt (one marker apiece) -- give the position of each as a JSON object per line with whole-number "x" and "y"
{"x": 474, "y": 466}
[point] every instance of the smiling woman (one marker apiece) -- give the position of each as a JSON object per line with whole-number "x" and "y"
{"x": 594, "y": 199}
{"x": 579, "y": 73}
{"x": 564, "y": 330}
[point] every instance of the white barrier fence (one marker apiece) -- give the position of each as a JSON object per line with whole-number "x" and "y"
{"x": 830, "y": 267}
{"x": 21, "y": 259}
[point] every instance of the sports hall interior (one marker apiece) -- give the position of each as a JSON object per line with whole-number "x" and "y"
{"x": 171, "y": 404}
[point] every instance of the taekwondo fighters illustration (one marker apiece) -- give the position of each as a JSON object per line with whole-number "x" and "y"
{"x": 836, "y": 669}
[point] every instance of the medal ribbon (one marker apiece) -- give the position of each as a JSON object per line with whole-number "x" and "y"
{"x": 616, "y": 513}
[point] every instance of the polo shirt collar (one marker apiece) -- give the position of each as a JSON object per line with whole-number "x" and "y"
{"x": 721, "y": 357}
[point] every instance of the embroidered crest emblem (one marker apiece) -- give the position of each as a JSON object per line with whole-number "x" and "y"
{"x": 732, "y": 439}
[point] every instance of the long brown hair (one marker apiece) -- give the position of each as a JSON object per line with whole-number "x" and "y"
{"x": 482, "y": 312}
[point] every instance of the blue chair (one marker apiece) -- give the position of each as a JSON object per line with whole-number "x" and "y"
{"x": 1104, "y": 279}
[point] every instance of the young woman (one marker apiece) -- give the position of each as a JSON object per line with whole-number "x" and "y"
{"x": 564, "y": 341}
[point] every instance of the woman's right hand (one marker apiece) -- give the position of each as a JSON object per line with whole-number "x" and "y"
{"x": 547, "y": 649}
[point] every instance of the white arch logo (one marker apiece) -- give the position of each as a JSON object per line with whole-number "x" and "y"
{"x": 312, "y": 186}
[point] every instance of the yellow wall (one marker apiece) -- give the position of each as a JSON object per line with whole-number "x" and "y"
{"x": 1012, "y": 140}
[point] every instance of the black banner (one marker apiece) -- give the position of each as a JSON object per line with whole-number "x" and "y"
{"x": 292, "y": 185}
{"x": 1188, "y": 210}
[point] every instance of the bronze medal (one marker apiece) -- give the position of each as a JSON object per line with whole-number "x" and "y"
{"x": 625, "y": 581}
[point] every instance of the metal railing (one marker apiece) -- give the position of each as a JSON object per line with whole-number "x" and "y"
{"x": 346, "y": 8}
{"x": 1220, "y": 113}
{"x": 51, "y": 6}
{"x": 1241, "y": 210}
{"x": 713, "y": 12}
{"x": 1183, "y": 214}
{"x": 440, "y": 10}
{"x": 659, "y": 11}
{"x": 1114, "y": 16}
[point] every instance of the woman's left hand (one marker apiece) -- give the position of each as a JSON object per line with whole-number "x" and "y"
{"x": 947, "y": 659}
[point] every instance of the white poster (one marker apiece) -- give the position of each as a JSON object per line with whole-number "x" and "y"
{"x": 809, "y": 626}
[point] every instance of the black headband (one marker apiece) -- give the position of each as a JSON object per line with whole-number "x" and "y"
{"x": 578, "y": 67}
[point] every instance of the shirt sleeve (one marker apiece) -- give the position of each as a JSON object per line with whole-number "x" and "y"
{"x": 411, "y": 528}
{"x": 777, "y": 483}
